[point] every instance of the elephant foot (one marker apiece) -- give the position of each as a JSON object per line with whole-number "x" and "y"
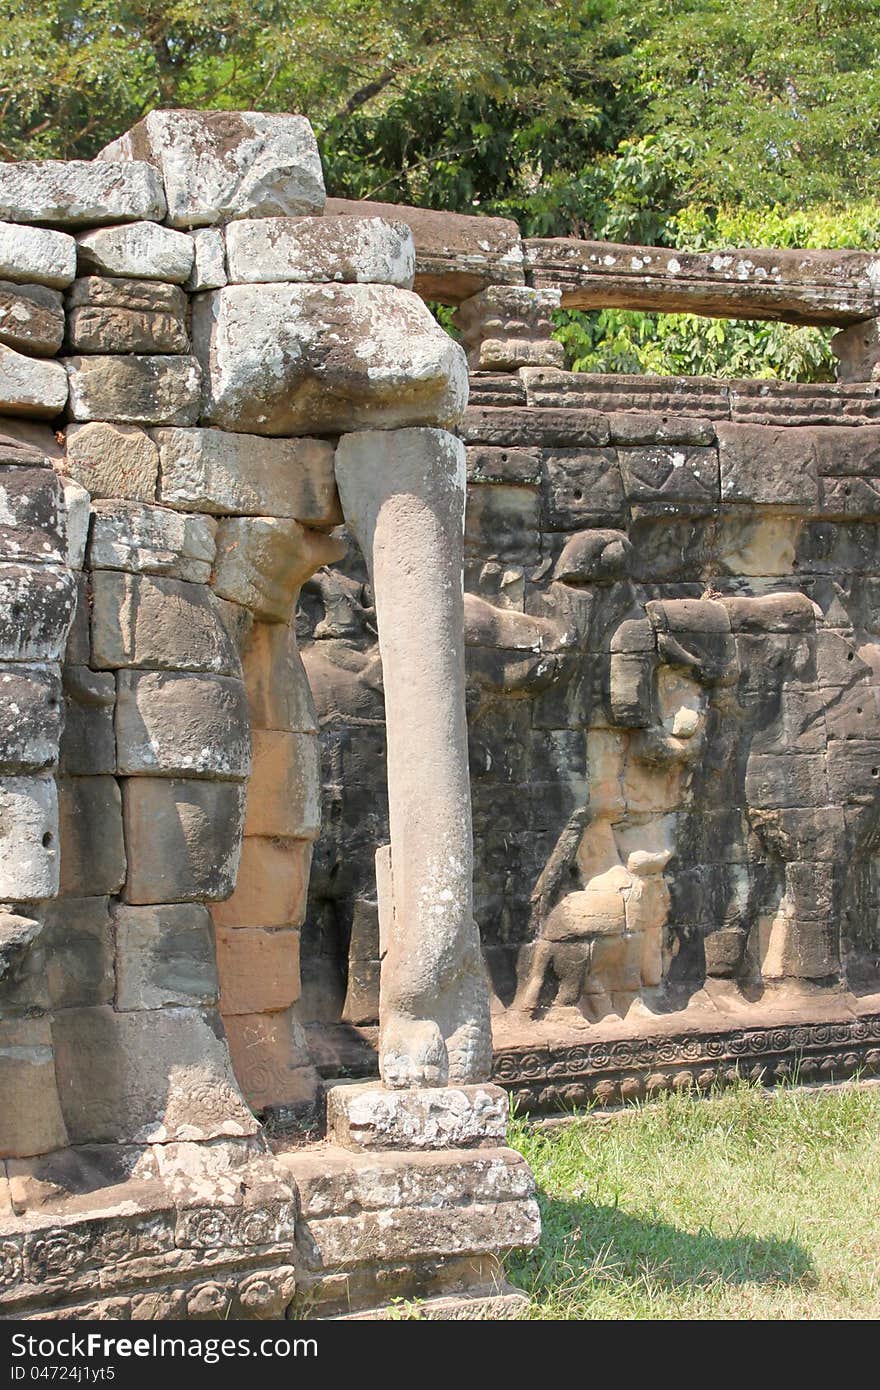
{"x": 412, "y": 1053}
{"x": 626, "y": 1001}
{"x": 470, "y": 1053}
{"x": 598, "y": 1005}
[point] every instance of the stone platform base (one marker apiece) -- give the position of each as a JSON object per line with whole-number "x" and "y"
{"x": 148, "y": 1232}
{"x": 360, "y": 1226}
{"x": 507, "y": 1305}
{"x": 562, "y": 1061}
{"x": 565, "y": 1063}
{"x": 413, "y": 1197}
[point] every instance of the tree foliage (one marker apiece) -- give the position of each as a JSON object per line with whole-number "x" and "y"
{"x": 678, "y": 122}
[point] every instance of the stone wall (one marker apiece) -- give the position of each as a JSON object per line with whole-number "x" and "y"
{"x": 667, "y": 594}
{"x": 184, "y": 339}
{"x": 672, "y": 640}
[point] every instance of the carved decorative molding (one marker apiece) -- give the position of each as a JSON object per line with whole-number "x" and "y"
{"x": 557, "y": 1077}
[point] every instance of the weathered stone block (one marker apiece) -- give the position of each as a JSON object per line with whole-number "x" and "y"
{"x": 31, "y": 318}
{"x": 262, "y": 562}
{"x": 847, "y": 451}
{"x": 239, "y": 623}
{"x": 786, "y": 780}
{"x": 78, "y": 649}
{"x": 151, "y": 1075}
{"x": 141, "y": 250}
{"x": 664, "y": 477}
{"x": 88, "y": 744}
{"x": 29, "y": 386}
{"x": 183, "y": 838}
{"x": 849, "y": 497}
{"x": 284, "y": 793}
{"x": 838, "y": 664}
{"x": 798, "y": 948}
{"x": 292, "y": 359}
{"x": 27, "y": 443}
{"x": 488, "y": 464}
{"x": 123, "y": 292}
{"x": 364, "y": 1115}
{"x": 410, "y": 1207}
{"x": 271, "y": 887}
{"x": 768, "y": 467}
{"x": 218, "y": 165}
{"x": 164, "y": 956}
{"x": 160, "y": 623}
{"x": 341, "y": 250}
{"x": 583, "y": 488}
{"x": 36, "y": 256}
{"x": 209, "y": 265}
{"x": 134, "y": 390}
{"x": 22, "y": 965}
{"x": 750, "y": 544}
{"x": 509, "y": 427}
{"x": 278, "y": 691}
{"x": 77, "y": 515}
{"x": 32, "y": 523}
{"x": 259, "y": 970}
{"x": 503, "y": 522}
{"x": 507, "y": 327}
{"x": 854, "y": 771}
{"x": 30, "y": 717}
{"x": 361, "y": 1004}
{"x": 634, "y": 427}
{"x": 124, "y": 330}
{"x": 456, "y": 254}
{"x": 817, "y": 833}
{"x": 271, "y": 1059}
{"x": 144, "y": 539}
{"x": 29, "y": 856}
{"x": 78, "y": 952}
{"x": 335, "y": 1181}
{"x": 112, "y": 460}
{"x": 243, "y": 475}
{"x": 30, "y": 1117}
{"x": 182, "y": 724}
{"x": 92, "y": 846}
{"x": 79, "y": 192}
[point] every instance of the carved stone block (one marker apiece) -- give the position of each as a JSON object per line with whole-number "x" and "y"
{"x": 364, "y": 1115}
{"x": 164, "y": 956}
{"x": 182, "y": 724}
{"x": 183, "y": 838}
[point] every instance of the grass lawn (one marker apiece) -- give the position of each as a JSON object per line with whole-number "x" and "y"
{"x": 742, "y": 1205}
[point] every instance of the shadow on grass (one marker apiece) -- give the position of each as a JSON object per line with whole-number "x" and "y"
{"x": 583, "y": 1243}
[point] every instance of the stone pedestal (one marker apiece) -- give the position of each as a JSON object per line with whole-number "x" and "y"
{"x": 506, "y": 327}
{"x": 415, "y": 1197}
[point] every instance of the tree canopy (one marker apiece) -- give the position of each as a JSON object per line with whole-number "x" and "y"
{"x": 686, "y": 122}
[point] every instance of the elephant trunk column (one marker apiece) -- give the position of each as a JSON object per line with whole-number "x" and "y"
{"x": 403, "y": 494}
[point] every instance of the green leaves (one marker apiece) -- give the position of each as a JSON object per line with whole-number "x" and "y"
{"x": 619, "y": 340}
{"x": 690, "y": 123}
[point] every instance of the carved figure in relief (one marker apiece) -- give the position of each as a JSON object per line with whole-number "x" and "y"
{"x": 733, "y": 753}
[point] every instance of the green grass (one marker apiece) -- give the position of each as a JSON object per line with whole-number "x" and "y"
{"x": 742, "y": 1205}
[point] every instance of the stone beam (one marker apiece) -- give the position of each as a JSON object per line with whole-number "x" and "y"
{"x": 818, "y": 287}
{"x": 457, "y": 255}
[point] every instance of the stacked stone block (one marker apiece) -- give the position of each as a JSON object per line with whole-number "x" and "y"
{"x": 183, "y": 339}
